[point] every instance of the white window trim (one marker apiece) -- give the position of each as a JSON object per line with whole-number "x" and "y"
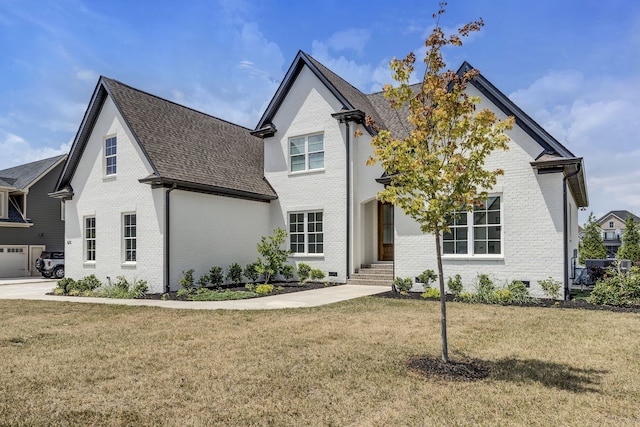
{"x": 85, "y": 240}
{"x": 306, "y": 169}
{"x": 306, "y": 253}
{"x": 470, "y": 225}
{"x": 105, "y": 157}
{"x": 4, "y": 204}
{"x": 124, "y": 240}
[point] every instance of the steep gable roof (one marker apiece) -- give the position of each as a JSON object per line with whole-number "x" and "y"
{"x": 22, "y": 177}
{"x": 622, "y": 215}
{"x": 350, "y": 97}
{"x": 189, "y": 148}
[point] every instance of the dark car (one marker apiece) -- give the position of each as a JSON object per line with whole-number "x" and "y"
{"x": 51, "y": 264}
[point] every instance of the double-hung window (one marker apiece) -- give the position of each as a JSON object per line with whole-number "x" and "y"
{"x": 90, "y": 238}
{"x": 110, "y": 155}
{"x": 306, "y": 234}
{"x": 475, "y": 232}
{"x": 129, "y": 237}
{"x": 306, "y": 153}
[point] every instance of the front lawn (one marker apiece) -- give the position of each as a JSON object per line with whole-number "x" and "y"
{"x": 344, "y": 364}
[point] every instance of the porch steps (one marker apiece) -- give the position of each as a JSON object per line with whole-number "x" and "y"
{"x": 380, "y": 274}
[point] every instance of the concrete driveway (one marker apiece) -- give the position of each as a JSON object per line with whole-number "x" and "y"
{"x": 36, "y": 289}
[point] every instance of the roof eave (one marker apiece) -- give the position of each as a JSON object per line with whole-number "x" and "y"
{"x": 573, "y": 169}
{"x": 157, "y": 181}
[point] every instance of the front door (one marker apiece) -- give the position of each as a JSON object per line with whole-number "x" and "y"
{"x": 385, "y": 231}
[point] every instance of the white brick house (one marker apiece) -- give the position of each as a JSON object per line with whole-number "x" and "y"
{"x": 304, "y": 170}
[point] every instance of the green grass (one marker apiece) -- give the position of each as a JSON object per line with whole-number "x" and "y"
{"x": 344, "y": 364}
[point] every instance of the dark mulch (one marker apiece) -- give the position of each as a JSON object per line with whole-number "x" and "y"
{"x": 278, "y": 288}
{"x": 535, "y": 302}
{"x": 454, "y": 370}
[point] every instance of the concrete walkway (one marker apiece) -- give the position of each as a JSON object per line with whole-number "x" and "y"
{"x": 36, "y": 290}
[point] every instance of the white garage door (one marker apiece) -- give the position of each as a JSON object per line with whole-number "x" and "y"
{"x": 13, "y": 261}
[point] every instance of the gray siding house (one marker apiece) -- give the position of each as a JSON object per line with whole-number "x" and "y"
{"x": 30, "y": 220}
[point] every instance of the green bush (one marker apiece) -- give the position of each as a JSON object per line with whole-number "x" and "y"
{"x": 264, "y": 289}
{"x": 519, "y": 292}
{"x": 402, "y": 285}
{"x": 204, "y": 294}
{"x": 303, "y": 271}
{"x": 251, "y": 272}
{"x": 618, "y": 288}
{"x": 485, "y": 289}
{"x": 186, "y": 279}
{"x": 502, "y": 296}
{"x": 551, "y": 287}
{"x": 287, "y": 271}
{"x": 273, "y": 256}
{"x": 215, "y": 275}
{"x": 427, "y": 277}
{"x": 465, "y": 297}
{"x": 234, "y": 275}
{"x": 316, "y": 274}
{"x": 122, "y": 289}
{"x": 251, "y": 287}
{"x": 431, "y": 293}
{"x": 88, "y": 283}
{"x": 65, "y": 285}
{"x": 455, "y": 285}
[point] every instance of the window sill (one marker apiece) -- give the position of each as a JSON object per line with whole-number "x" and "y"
{"x": 316, "y": 256}
{"x": 473, "y": 257}
{"x": 89, "y": 264}
{"x": 306, "y": 172}
{"x": 106, "y": 178}
{"x": 129, "y": 264}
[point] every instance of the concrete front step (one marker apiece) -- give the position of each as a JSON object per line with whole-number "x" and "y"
{"x": 359, "y": 281}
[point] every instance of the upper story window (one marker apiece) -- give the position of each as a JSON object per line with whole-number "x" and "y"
{"x": 611, "y": 224}
{"x": 306, "y": 152}
{"x": 110, "y": 155}
{"x": 476, "y": 232}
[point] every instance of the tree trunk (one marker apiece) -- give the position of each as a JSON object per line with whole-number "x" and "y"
{"x": 443, "y": 301}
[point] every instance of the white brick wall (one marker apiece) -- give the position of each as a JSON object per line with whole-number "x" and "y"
{"x": 107, "y": 198}
{"x": 532, "y": 225}
{"x": 307, "y": 109}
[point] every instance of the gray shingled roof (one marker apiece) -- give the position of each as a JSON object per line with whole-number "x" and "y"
{"x": 183, "y": 145}
{"x": 23, "y": 176}
{"x": 622, "y": 214}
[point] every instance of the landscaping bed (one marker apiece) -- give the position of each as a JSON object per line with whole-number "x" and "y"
{"x": 534, "y": 302}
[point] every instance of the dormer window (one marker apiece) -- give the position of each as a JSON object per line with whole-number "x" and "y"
{"x": 110, "y": 155}
{"x": 306, "y": 153}
{"x": 611, "y": 225}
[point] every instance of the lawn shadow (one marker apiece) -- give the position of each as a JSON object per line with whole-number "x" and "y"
{"x": 549, "y": 374}
{"x": 527, "y": 371}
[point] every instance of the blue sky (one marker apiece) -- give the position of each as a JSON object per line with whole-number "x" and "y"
{"x": 573, "y": 65}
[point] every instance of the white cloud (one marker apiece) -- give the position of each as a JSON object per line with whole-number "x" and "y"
{"x": 86, "y": 75}
{"x": 354, "y": 39}
{"x": 16, "y": 150}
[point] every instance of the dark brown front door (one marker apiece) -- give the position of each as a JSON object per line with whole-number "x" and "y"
{"x": 385, "y": 231}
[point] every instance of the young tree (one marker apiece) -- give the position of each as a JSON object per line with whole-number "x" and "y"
{"x": 630, "y": 248}
{"x": 438, "y": 167}
{"x": 591, "y": 246}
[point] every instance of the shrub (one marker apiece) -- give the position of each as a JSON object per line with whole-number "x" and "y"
{"x": 273, "y": 256}
{"x": 303, "y": 271}
{"x": 251, "y": 272}
{"x": 186, "y": 279}
{"x": 618, "y": 288}
{"x": 551, "y": 287}
{"x": 88, "y": 283}
{"x": 316, "y": 274}
{"x": 465, "y": 297}
{"x": 122, "y": 289}
{"x": 234, "y": 275}
{"x": 65, "y": 284}
{"x": 287, "y": 271}
{"x": 502, "y": 296}
{"x": 402, "y": 285}
{"x": 264, "y": 289}
{"x": 251, "y": 287}
{"x": 427, "y": 277}
{"x": 431, "y": 293}
{"x": 455, "y": 285}
{"x": 215, "y": 276}
{"x": 485, "y": 289}
{"x": 519, "y": 292}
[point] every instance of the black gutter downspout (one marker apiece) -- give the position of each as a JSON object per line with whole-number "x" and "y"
{"x": 567, "y": 287}
{"x": 348, "y": 143}
{"x": 167, "y": 238}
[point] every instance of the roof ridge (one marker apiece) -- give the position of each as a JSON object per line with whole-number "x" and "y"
{"x": 173, "y": 102}
{"x": 35, "y": 161}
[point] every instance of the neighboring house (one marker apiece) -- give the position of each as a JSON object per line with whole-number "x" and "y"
{"x": 613, "y": 225}
{"x": 30, "y": 221}
{"x": 195, "y": 191}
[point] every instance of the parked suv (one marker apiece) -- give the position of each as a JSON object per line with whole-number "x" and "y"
{"x": 51, "y": 264}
